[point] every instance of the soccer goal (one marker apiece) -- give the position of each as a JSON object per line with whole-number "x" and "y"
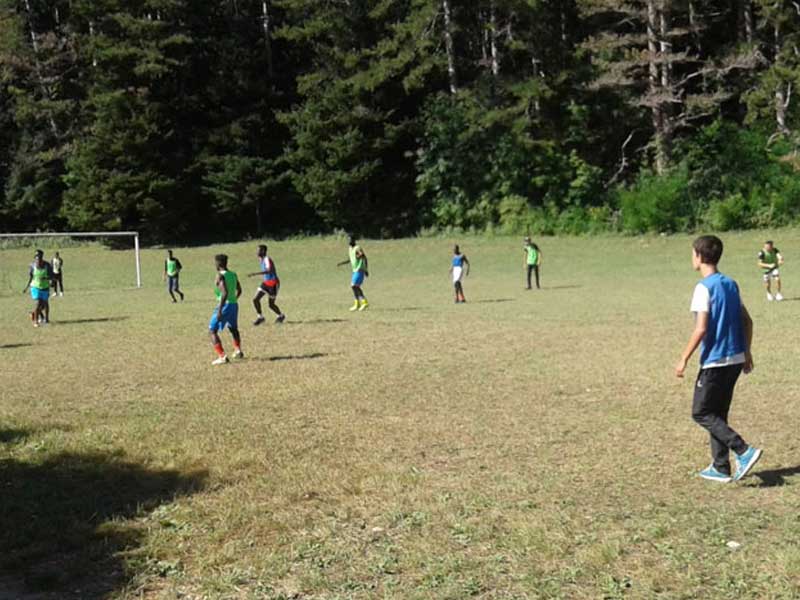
{"x": 88, "y": 234}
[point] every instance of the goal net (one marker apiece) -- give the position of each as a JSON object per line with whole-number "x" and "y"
{"x": 17, "y": 240}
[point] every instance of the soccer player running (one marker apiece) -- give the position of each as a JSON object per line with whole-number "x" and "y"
{"x": 172, "y": 274}
{"x": 39, "y": 276}
{"x": 770, "y": 260}
{"x": 358, "y": 261}
{"x": 458, "y": 268}
{"x": 58, "y": 275}
{"x": 227, "y": 289}
{"x": 270, "y": 286}
{"x": 533, "y": 260}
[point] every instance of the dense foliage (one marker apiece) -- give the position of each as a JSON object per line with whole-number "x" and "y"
{"x": 192, "y": 119}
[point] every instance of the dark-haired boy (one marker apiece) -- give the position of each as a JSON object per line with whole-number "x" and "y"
{"x": 724, "y": 328}
{"x": 227, "y": 290}
{"x": 770, "y": 260}
{"x": 270, "y": 286}
{"x": 40, "y": 274}
{"x": 172, "y": 275}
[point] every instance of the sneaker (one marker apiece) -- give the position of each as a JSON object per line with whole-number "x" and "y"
{"x": 238, "y": 354}
{"x": 259, "y": 320}
{"x": 280, "y": 319}
{"x": 364, "y": 305}
{"x": 222, "y": 360}
{"x": 712, "y": 474}
{"x": 770, "y": 297}
{"x": 746, "y": 461}
{"x": 779, "y": 297}
{"x": 61, "y": 294}
{"x": 181, "y": 293}
{"x": 354, "y": 307}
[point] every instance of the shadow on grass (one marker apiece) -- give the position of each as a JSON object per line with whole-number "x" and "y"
{"x": 92, "y": 320}
{"x": 311, "y": 356}
{"x": 775, "y": 478}
{"x": 562, "y": 287}
{"x": 315, "y": 322}
{"x": 13, "y": 436}
{"x": 494, "y": 301}
{"x": 10, "y": 346}
{"x": 62, "y": 521}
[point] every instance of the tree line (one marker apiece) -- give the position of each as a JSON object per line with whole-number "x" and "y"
{"x": 198, "y": 119}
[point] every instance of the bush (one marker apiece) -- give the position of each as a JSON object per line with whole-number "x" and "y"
{"x": 657, "y": 204}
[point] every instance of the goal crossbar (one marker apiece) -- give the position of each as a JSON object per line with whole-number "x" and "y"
{"x": 133, "y": 234}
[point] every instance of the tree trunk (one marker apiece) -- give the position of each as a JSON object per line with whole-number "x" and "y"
{"x": 449, "y": 47}
{"x": 267, "y": 38}
{"x": 745, "y": 21}
{"x": 46, "y": 92}
{"x": 656, "y": 91}
{"x": 493, "y": 40}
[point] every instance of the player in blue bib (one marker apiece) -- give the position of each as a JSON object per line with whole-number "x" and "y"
{"x": 459, "y": 268}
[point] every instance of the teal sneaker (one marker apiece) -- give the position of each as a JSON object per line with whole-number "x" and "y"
{"x": 712, "y": 474}
{"x": 746, "y": 461}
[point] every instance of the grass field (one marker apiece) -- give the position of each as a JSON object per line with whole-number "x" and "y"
{"x": 524, "y": 445}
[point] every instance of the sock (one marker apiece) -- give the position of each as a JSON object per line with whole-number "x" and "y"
{"x": 218, "y": 349}
{"x": 237, "y": 345}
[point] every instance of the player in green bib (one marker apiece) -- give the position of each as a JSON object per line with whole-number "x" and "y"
{"x": 360, "y": 266}
{"x": 39, "y": 276}
{"x": 533, "y": 260}
{"x": 770, "y": 261}
{"x": 172, "y": 273}
{"x": 227, "y": 289}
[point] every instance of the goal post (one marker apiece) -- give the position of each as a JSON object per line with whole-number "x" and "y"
{"x": 88, "y": 234}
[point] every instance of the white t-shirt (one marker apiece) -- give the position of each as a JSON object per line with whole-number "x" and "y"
{"x": 701, "y": 303}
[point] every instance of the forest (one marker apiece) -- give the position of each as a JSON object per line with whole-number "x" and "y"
{"x": 210, "y": 120}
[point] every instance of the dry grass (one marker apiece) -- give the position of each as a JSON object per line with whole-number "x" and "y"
{"x": 524, "y": 445}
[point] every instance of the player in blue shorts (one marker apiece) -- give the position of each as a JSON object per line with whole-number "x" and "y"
{"x": 227, "y": 290}
{"x": 360, "y": 266}
{"x": 39, "y": 276}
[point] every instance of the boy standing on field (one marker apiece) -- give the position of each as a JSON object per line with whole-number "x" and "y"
{"x": 724, "y": 328}
{"x": 270, "y": 286}
{"x": 227, "y": 290}
{"x": 770, "y": 260}
{"x": 58, "y": 275}
{"x": 40, "y": 274}
{"x": 533, "y": 258}
{"x": 172, "y": 274}
{"x": 358, "y": 262}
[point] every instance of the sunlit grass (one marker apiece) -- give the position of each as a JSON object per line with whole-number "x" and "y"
{"x": 524, "y": 445}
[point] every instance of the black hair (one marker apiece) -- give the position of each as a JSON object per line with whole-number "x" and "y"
{"x": 457, "y": 250}
{"x": 708, "y": 248}
{"x": 39, "y": 253}
{"x": 770, "y": 242}
{"x": 222, "y": 260}
{"x": 262, "y": 248}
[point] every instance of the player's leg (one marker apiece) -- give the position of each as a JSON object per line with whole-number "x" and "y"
{"x": 460, "y": 292}
{"x": 231, "y": 315}
{"x": 257, "y": 305}
{"x": 536, "y": 272}
{"x": 178, "y": 286}
{"x": 61, "y": 284}
{"x": 530, "y": 271}
{"x": 171, "y": 288}
{"x": 237, "y": 342}
{"x": 214, "y": 326}
{"x": 768, "y": 286}
{"x": 273, "y": 306}
{"x": 46, "y": 309}
{"x": 778, "y": 294}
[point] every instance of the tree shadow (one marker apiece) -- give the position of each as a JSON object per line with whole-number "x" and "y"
{"x": 10, "y": 346}
{"x": 775, "y": 477}
{"x": 63, "y": 523}
{"x": 92, "y": 320}
{"x": 311, "y": 356}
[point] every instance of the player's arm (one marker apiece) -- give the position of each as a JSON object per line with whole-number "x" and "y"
{"x": 178, "y": 265}
{"x": 361, "y": 254}
{"x": 238, "y": 289}
{"x": 747, "y": 325}
{"x": 223, "y": 295}
{"x": 344, "y": 262}
{"x": 30, "y": 278}
{"x": 538, "y": 258}
{"x": 164, "y": 276}
{"x": 258, "y": 273}
{"x": 699, "y": 332}
{"x": 466, "y": 262}
{"x": 780, "y": 258}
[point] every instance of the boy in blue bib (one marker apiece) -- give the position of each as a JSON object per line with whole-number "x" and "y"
{"x": 724, "y": 331}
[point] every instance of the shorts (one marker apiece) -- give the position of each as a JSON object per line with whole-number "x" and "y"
{"x": 230, "y": 318}
{"x": 270, "y": 290}
{"x": 457, "y": 272}
{"x": 173, "y": 283}
{"x": 774, "y": 274}
{"x": 358, "y": 278}
{"x": 40, "y": 295}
